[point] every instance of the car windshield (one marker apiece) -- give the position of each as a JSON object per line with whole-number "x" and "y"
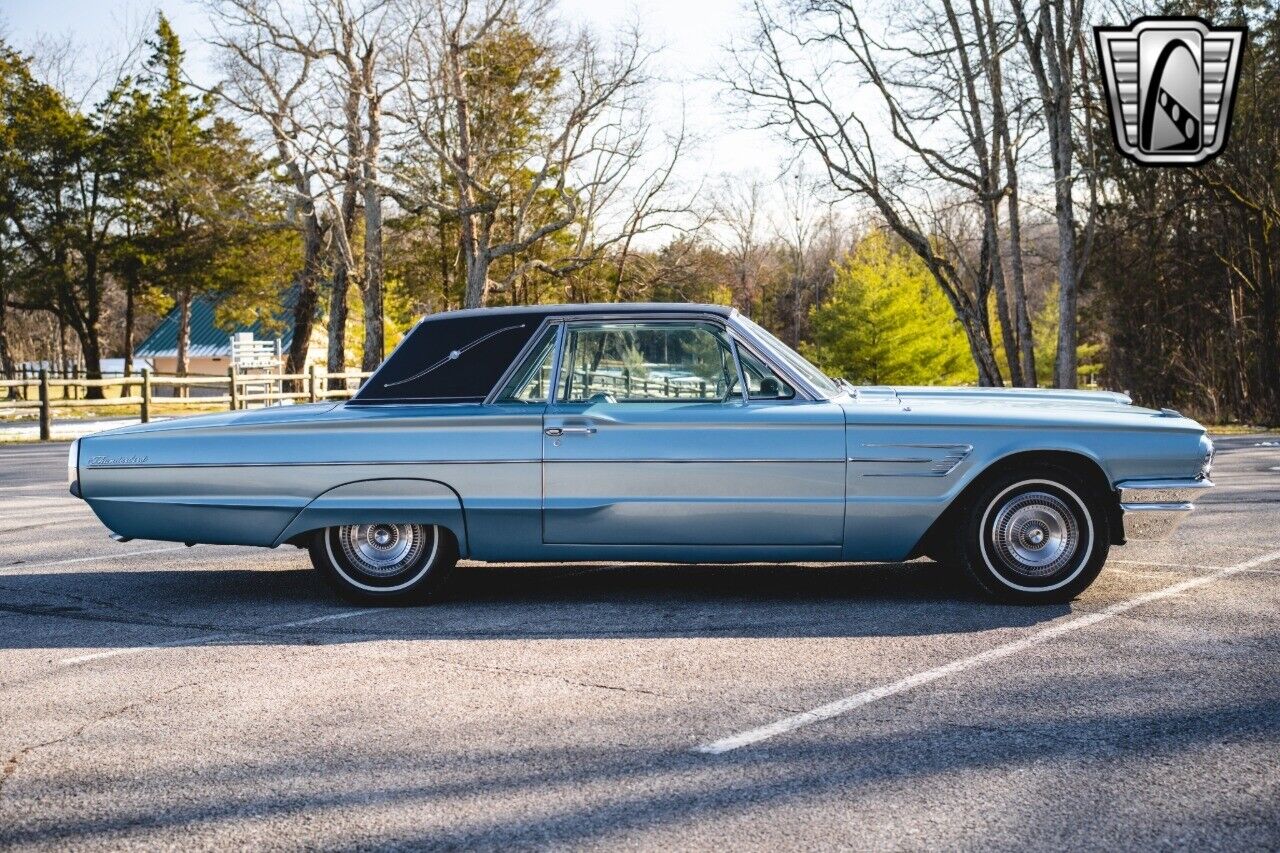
{"x": 815, "y": 377}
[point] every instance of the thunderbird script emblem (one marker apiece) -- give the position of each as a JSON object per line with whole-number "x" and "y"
{"x": 1170, "y": 85}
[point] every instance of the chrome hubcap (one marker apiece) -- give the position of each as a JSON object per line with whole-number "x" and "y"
{"x": 1035, "y": 534}
{"x": 382, "y": 550}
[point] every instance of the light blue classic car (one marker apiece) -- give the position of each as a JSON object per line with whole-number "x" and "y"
{"x": 652, "y": 432}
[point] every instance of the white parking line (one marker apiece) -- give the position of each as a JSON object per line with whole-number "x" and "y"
{"x": 1164, "y": 564}
{"x": 213, "y": 638}
{"x": 866, "y": 697}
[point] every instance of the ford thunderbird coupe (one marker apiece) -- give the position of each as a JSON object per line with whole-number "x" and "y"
{"x": 683, "y": 433}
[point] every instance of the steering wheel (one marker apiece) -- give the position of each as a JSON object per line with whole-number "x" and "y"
{"x": 602, "y": 397}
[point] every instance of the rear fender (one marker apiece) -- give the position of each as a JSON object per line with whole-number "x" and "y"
{"x": 387, "y": 501}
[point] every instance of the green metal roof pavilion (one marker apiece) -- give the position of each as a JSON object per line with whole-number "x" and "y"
{"x": 207, "y": 338}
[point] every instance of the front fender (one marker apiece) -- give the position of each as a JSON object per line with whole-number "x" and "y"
{"x": 388, "y": 501}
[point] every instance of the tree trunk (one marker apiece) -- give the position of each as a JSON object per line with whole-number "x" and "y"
{"x": 980, "y": 348}
{"x": 987, "y": 189}
{"x": 6, "y": 355}
{"x": 1008, "y": 331}
{"x": 1065, "y": 368}
{"x": 1050, "y": 50}
{"x": 374, "y": 345}
{"x": 477, "y": 280}
{"x": 337, "y": 361}
{"x": 475, "y": 254}
{"x": 184, "y": 331}
{"x": 130, "y": 319}
{"x": 304, "y": 306}
{"x": 62, "y": 348}
{"x": 92, "y": 348}
{"x": 990, "y": 49}
{"x": 1018, "y": 290}
{"x": 1268, "y": 325}
{"x": 184, "y": 337}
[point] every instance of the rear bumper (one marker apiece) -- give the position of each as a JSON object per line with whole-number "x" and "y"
{"x": 1153, "y": 509}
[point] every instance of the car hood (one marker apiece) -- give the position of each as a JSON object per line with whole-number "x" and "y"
{"x": 1035, "y": 396}
{"x": 1010, "y": 406}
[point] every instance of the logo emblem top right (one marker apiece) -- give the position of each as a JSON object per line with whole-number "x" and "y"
{"x": 1171, "y": 83}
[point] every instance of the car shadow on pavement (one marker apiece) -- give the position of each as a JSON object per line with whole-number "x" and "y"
{"x": 471, "y": 799}
{"x": 112, "y": 609}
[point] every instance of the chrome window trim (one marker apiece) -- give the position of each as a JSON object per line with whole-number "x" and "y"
{"x": 637, "y": 317}
{"x": 554, "y": 391}
{"x": 804, "y": 394}
{"x": 737, "y": 365}
{"x": 764, "y": 352}
{"x": 525, "y": 351}
{"x": 737, "y": 334}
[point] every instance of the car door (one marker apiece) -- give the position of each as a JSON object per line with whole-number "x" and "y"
{"x": 650, "y": 440}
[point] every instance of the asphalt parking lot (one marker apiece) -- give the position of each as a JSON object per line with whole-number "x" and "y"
{"x": 157, "y": 696}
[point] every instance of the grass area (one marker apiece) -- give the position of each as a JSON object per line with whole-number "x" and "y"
{"x": 106, "y": 410}
{"x": 1240, "y": 429}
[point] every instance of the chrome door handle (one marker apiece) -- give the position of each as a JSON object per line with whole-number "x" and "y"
{"x": 558, "y": 431}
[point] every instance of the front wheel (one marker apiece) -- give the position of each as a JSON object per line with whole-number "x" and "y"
{"x": 385, "y": 563}
{"x": 1037, "y": 538}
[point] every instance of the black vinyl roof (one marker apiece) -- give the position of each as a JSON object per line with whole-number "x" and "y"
{"x": 589, "y": 308}
{"x": 458, "y": 356}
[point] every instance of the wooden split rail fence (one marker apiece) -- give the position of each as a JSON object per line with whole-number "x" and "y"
{"x": 242, "y": 389}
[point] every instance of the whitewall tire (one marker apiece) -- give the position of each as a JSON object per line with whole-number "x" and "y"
{"x": 385, "y": 563}
{"x": 1035, "y": 537}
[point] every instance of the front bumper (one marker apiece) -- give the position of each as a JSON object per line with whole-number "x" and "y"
{"x": 1152, "y": 509}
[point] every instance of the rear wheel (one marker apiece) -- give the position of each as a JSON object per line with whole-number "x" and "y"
{"x": 385, "y": 563}
{"x": 1033, "y": 537}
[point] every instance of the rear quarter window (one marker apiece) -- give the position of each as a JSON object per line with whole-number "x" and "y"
{"x": 450, "y": 360}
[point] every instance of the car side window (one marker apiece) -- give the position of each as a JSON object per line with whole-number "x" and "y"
{"x": 531, "y": 381}
{"x": 646, "y": 363}
{"x": 763, "y": 382}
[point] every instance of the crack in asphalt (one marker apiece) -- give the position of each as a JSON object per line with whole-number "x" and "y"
{"x": 11, "y": 765}
{"x": 142, "y": 620}
{"x": 86, "y": 599}
{"x": 620, "y": 688}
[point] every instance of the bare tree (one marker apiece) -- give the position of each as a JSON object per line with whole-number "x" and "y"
{"x": 787, "y": 69}
{"x": 517, "y": 179}
{"x": 342, "y": 46}
{"x": 655, "y": 202}
{"x": 739, "y": 213}
{"x": 1053, "y": 37}
{"x": 268, "y": 86}
{"x": 1006, "y": 118}
{"x": 626, "y": 188}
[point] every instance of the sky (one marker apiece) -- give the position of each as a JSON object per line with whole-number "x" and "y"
{"x": 690, "y": 34}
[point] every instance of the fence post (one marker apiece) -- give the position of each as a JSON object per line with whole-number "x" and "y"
{"x": 311, "y": 383}
{"x": 46, "y": 415}
{"x": 235, "y": 392}
{"x": 145, "y": 409}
